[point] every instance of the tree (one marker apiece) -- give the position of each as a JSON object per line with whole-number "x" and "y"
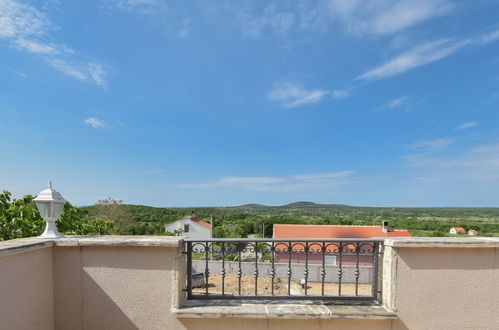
{"x": 20, "y": 218}
{"x": 72, "y": 222}
{"x": 112, "y": 210}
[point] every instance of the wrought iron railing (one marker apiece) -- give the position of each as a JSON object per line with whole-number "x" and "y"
{"x": 310, "y": 269}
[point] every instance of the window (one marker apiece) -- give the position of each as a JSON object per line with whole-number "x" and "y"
{"x": 186, "y": 228}
{"x": 330, "y": 260}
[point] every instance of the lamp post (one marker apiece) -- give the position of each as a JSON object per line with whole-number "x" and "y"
{"x": 50, "y": 203}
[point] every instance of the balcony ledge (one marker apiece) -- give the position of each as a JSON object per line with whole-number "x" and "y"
{"x": 34, "y": 243}
{"x": 280, "y": 310}
{"x": 443, "y": 242}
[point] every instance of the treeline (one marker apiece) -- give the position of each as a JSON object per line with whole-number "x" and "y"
{"x": 250, "y": 220}
{"x": 20, "y": 218}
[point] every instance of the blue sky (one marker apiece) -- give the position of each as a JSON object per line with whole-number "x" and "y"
{"x": 190, "y": 103}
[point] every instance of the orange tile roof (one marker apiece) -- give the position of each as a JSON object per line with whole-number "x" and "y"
{"x": 458, "y": 228}
{"x": 333, "y": 231}
{"x": 202, "y": 223}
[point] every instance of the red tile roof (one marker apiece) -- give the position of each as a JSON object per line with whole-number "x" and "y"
{"x": 458, "y": 228}
{"x": 201, "y": 222}
{"x": 330, "y": 231}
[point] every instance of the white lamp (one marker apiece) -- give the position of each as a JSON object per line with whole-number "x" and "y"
{"x": 50, "y": 203}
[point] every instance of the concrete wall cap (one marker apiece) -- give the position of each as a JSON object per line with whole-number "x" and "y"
{"x": 33, "y": 243}
{"x": 303, "y": 309}
{"x": 443, "y": 242}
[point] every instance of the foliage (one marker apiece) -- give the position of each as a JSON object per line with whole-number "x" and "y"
{"x": 20, "y": 218}
{"x": 241, "y": 221}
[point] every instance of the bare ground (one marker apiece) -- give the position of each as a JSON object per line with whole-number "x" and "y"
{"x": 280, "y": 286}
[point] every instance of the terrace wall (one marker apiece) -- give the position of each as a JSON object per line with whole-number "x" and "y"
{"x": 132, "y": 283}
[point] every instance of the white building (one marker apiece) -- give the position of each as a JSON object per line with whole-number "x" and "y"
{"x": 457, "y": 230}
{"x": 191, "y": 227}
{"x": 472, "y": 232}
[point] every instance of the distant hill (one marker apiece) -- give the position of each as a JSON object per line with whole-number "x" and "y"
{"x": 242, "y": 220}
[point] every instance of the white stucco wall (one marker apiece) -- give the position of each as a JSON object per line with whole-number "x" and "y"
{"x": 195, "y": 229}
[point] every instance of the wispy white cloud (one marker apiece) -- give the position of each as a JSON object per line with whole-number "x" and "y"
{"x": 340, "y": 94}
{"x": 322, "y": 177}
{"x": 272, "y": 18}
{"x": 418, "y": 56}
{"x": 148, "y": 7}
{"x": 488, "y": 37}
{"x": 95, "y": 122}
{"x": 185, "y": 28}
{"x": 18, "y": 20}
{"x": 293, "y": 95}
{"x": 277, "y": 183}
{"x": 374, "y": 17}
{"x": 432, "y": 145}
{"x": 98, "y": 74}
{"x": 184, "y": 32}
{"x": 398, "y": 102}
{"x": 39, "y": 48}
{"x": 402, "y": 103}
{"x": 91, "y": 72}
{"x": 27, "y": 29}
{"x": 467, "y": 125}
{"x": 480, "y": 164}
{"x": 386, "y": 16}
{"x": 427, "y": 53}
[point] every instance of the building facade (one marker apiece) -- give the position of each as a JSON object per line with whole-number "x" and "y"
{"x": 348, "y": 255}
{"x": 191, "y": 227}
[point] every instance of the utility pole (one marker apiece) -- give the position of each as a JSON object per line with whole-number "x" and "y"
{"x": 212, "y": 218}
{"x": 263, "y": 229}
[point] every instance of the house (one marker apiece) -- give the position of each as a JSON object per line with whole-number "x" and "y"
{"x": 472, "y": 232}
{"x": 191, "y": 227}
{"x": 348, "y": 256}
{"x": 457, "y": 230}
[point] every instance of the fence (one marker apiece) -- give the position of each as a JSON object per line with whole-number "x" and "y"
{"x": 310, "y": 269}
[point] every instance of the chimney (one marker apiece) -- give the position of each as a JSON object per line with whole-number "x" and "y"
{"x": 384, "y": 227}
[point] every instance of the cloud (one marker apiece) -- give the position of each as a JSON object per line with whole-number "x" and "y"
{"x": 293, "y": 95}
{"x": 381, "y": 17}
{"x": 321, "y": 177}
{"x": 373, "y": 17}
{"x": 27, "y": 29}
{"x": 97, "y": 73}
{"x": 38, "y": 48}
{"x": 432, "y": 145}
{"x": 91, "y": 72}
{"x": 397, "y": 102}
{"x": 467, "y": 125}
{"x": 277, "y": 183}
{"x": 272, "y": 19}
{"x": 427, "y": 53}
{"x": 340, "y": 94}
{"x": 95, "y": 122}
{"x": 418, "y": 56}
{"x": 18, "y": 20}
{"x": 184, "y": 30}
{"x": 147, "y": 7}
{"x": 479, "y": 164}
